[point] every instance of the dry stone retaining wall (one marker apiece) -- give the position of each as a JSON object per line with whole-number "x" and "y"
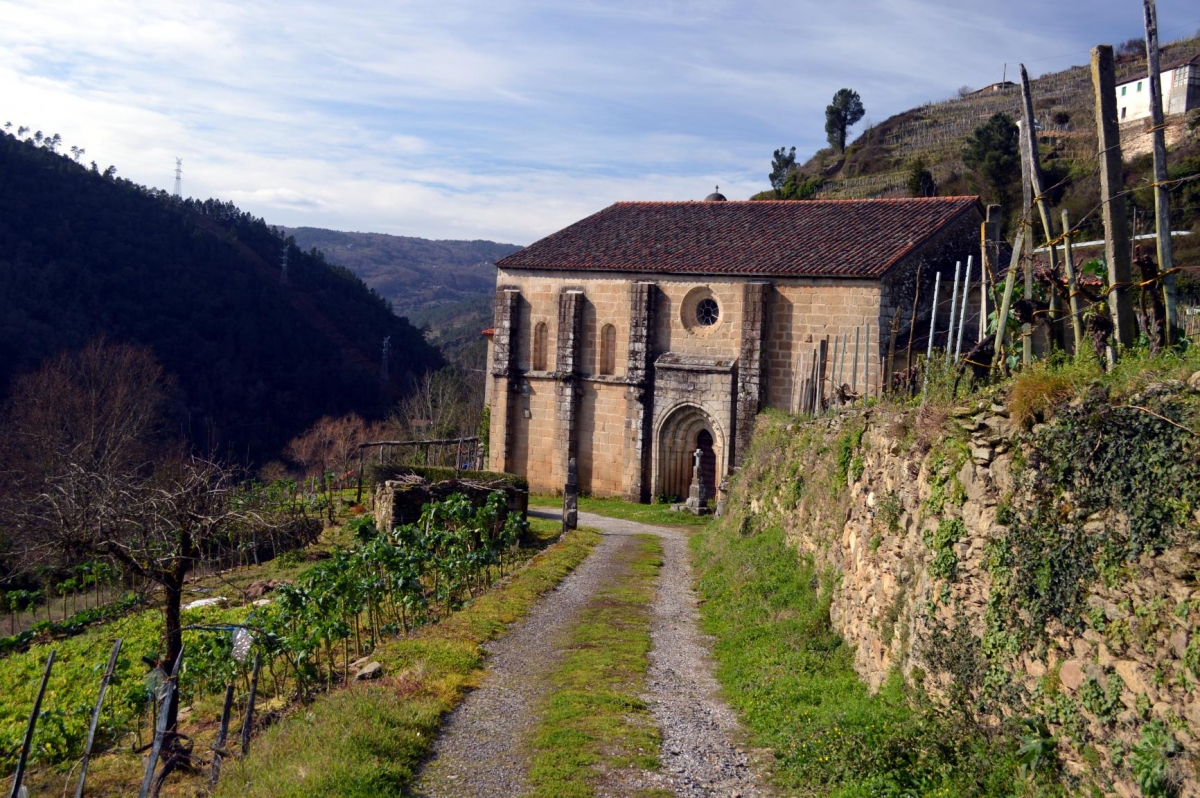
{"x": 924, "y": 499}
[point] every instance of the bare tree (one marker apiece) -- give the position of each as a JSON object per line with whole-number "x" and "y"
{"x": 444, "y": 404}
{"x": 94, "y": 477}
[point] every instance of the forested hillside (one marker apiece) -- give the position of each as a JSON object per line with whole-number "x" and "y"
{"x": 444, "y": 287}
{"x": 255, "y": 361}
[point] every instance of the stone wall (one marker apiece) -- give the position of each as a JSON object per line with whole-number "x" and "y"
{"x": 913, "y": 522}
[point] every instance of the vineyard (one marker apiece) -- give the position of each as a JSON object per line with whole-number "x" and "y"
{"x": 307, "y": 635}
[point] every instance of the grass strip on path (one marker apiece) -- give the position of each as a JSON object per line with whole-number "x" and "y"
{"x": 595, "y": 724}
{"x": 369, "y": 740}
{"x": 791, "y": 679}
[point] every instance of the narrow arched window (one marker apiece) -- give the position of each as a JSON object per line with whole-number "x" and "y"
{"x": 538, "y": 359}
{"x": 608, "y": 349}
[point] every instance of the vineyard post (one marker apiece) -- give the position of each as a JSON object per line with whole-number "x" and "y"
{"x": 937, "y": 287}
{"x": 1037, "y": 179}
{"x": 222, "y": 732}
{"x": 1073, "y": 299}
{"x": 160, "y": 729}
{"x": 91, "y": 737}
{"x": 825, "y": 372}
{"x": 1006, "y": 301}
{"x": 990, "y": 234}
{"x": 867, "y": 361}
{"x": 841, "y": 378}
{"x": 833, "y": 367}
{"x": 361, "y": 468}
{"x": 248, "y": 722}
{"x": 885, "y": 379}
{"x": 1162, "y": 200}
{"x": 962, "y": 311}
{"x": 854, "y": 364}
{"x": 912, "y": 324}
{"x": 1026, "y": 233}
{"x": 1112, "y": 184}
{"x": 33, "y": 719}
{"x": 953, "y": 307}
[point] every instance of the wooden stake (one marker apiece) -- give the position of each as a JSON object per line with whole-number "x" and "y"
{"x": 822, "y": 357}
{"x": 912, "y": 323}
{"x": 1072, "y": 287}
{"x": 962, "y": 312}
{"x": 937, "y": 287}
{"x": 91, "y": 737}
{"x": 27, "y": 743}
{"x": 1006, "y": 302}
{"x": 222, "y": 733}
{"x": 160, "y": 730}
{"x": 1116, "y": 223}
{"x": 1162, "y": 199}
{"x": 953, "y": 306}
{"x": 891, "y": 355}
{"x": 248, "y": 722}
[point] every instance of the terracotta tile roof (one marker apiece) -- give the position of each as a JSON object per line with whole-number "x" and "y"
{"x": 835, "y": 238}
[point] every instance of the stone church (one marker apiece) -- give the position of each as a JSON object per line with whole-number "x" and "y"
{"x": 649, "y": 330}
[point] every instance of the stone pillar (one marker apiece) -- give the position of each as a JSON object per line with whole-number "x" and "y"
{"x": 639, "y": 397}
{"x": 751, "y": 381}
{"x": 570, "y": 328}
{"x": 505, "y": 378}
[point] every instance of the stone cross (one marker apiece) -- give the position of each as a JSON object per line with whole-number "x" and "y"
{"x": 697, "y": 501}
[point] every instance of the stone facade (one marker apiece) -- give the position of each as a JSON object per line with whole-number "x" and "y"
{"x": 614, "y": 368}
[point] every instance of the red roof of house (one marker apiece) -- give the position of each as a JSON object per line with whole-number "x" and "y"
{"x": 815, "y": 238}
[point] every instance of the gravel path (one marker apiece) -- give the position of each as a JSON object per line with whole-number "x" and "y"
{"x": 699, "y": 754}
{"x": 480, "y": 751}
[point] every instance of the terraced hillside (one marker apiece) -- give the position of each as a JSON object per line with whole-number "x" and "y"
{"x": 876, "y": 164}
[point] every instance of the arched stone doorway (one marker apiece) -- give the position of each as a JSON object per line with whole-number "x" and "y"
{"x": 684, "y": 431}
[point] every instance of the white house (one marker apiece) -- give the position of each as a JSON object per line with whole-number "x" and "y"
{"x": 1180, "y": 88}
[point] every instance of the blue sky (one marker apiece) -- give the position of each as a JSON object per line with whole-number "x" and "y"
{"x": 507, "y": 119}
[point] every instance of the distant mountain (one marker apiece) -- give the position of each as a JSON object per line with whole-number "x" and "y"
{"x": 445, "y": 287}
{"x": 256, "y": 361}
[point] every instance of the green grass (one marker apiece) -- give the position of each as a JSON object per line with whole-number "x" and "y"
{"x": 657, "y": 514}
{"x": 369, "y": 740}
{"x": 791, "y": 679}
{"x": 594, "y": 723}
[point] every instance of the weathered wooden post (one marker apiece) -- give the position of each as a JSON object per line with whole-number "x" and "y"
{"x": 27, "y": 743}
{"x": 1072, "y": 287}
{"x": 361, "y": 468}
{"x": 912, "y": 325}
{"x": 1006, "y": 301}
{"x": 570, "y": 515}
{"x": 1116, "y": 222}
{"x": 989, "y": 256}
{"x": 822, "y": 357}
{"x": 218, "y": 747}
{"x": 885, "y": 379}
{"x": 1037, "y": 184}
{"x": 91, "y": 737}
{"x": 248, "y": 722}
{"x": 1162, "y": 199}
{"x": 160, "y": 729}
